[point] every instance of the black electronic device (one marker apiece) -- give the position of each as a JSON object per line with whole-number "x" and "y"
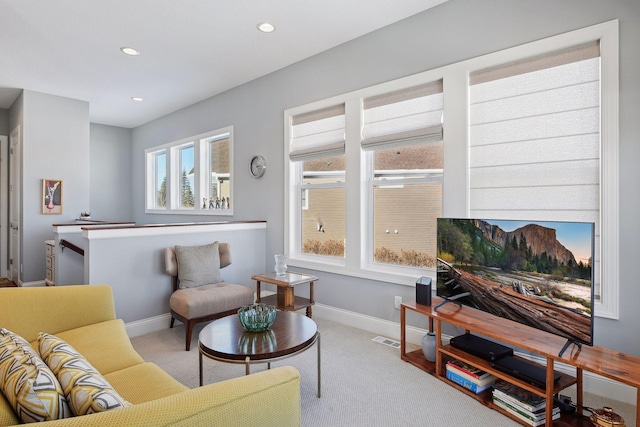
{"x": 423, "y": 290}
{"x": 564, "y": 403}
{"x": 480, "y": 347}
{"x": 526, "y": 371}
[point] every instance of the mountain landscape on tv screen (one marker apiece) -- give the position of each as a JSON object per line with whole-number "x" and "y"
{"x": 525, "y": 274}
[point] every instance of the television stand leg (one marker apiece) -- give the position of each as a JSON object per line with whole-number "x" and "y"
{"x": 567, "y": 344}
{"x": 452, "y": 299}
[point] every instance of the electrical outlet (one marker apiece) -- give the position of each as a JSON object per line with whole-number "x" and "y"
{"x": 397, "y": 302}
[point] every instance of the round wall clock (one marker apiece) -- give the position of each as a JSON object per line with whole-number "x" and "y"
{"x": 258, "y": 166}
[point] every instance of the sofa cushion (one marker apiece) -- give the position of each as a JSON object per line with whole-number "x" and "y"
{"x": 144, "y": 382}
{"x": 198, "y": 265}
{"x": 86, "y": 389}
{"x": 193, "y": 303}
{"x": 27, "y": 383}
{"x": 100, "y": 342}
{"x": 7, "y": 416}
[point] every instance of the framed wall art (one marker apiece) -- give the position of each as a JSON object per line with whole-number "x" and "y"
{"x": 51, "y": 196}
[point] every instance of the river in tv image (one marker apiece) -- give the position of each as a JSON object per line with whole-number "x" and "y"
{"x": 533, "y": 272}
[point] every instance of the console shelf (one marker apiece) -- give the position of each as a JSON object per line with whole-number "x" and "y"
{"x": 608, "y": 363}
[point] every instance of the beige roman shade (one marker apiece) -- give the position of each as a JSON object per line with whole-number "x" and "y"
{"x": 535, "y": 139}
{"x": 407, "y": 116}
{"x": 318, "y": 133}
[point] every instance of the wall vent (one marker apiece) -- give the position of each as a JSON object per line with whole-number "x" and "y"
{"x": 387, "y": 341}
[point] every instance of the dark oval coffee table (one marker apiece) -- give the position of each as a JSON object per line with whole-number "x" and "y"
{"x": 227, "y": 341}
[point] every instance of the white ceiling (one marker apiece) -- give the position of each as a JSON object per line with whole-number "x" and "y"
{"x": 190, "y": 49}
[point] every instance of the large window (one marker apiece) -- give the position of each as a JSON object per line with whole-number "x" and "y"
{"x": 316, "y": 152}
{"x": 191, "y": 176}
{"x": 525, "y": 133}
{"x": 535, "y": 140}
{"x": 402, "y": 133}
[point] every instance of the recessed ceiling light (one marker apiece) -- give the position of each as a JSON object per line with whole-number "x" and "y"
{"x": 265, "y": 27}
{"x": 137, "y": 98}
{"x": 129, "y": 51}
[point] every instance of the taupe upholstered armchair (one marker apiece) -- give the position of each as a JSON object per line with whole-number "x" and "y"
{"x": 199, "y": 292}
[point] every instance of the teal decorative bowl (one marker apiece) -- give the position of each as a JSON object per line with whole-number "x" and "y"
{"x": 257, "y": 317}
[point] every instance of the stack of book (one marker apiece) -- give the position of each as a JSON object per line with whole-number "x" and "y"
{"x": 469, "y": 377}
{"x": 526, "y": 406}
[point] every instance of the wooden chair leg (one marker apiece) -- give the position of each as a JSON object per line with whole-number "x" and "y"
{"x": 188, "y": 331}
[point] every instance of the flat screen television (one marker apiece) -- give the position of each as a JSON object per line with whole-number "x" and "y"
{"x": 538, "y": 273}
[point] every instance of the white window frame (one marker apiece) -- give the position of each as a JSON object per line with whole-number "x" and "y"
{"x": 456, "y": 162}
{"x": 201, "y": 144}
{"x": 152, "y": 178}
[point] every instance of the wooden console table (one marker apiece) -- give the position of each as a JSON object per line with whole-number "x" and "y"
{"x": 285, "y": 298}
{"x": 608, "y": 363}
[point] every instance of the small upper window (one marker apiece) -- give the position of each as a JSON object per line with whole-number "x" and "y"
{"x": 192, "y": 176}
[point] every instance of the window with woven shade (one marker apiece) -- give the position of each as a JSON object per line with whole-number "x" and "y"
{"x": 535, "y": 139}
{"x": 317, "y": 148}
{"x": 402, "y": 133}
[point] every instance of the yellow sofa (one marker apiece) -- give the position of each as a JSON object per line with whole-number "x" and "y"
{"x": 84, "y": 316}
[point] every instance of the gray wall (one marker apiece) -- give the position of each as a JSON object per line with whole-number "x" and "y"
{"x": 110, "y": 193}
{"x": 55, "y": 145}
{"x": 452, "y": 32}
{"x": 144, "y": 289}
{"x": 4, "y": 122}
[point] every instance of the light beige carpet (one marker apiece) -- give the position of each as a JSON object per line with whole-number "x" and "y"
{"x": 364, "y": 383}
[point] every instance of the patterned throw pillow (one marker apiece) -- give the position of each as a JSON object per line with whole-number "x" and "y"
{"x": 86, "y": 389}
{"x": 27, "y": 383}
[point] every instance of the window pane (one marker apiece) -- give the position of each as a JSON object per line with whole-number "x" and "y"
{"x": 409, "y": 159}
{"x": 161, "y": 180}
{"x": 324, "y": 170}
{"x": 186, "y": 177}
{"x": 323, "y": 207}
{"x": 323, "y": 222}
{"x": 219, "y": 196}
{"x": 405, "y": 224}
{"x": 405, "y": 211}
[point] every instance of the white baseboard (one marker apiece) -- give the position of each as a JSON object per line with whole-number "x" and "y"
{"x": 593, "y": 383}
{"x": 34, "y": 284}
{"x": 148, "y": 325}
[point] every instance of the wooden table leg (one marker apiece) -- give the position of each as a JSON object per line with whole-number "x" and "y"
{"x": 637, "y": 407}
{"x": 286, "y": 298}
{"x": 579, "y": 392}
{"x": 311, "y": 300}
{"x": 257, "y": 291}
{"x": 440, "y": 371}
{"x": 549, "y": 392}
{"x": 403, "y": 331}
